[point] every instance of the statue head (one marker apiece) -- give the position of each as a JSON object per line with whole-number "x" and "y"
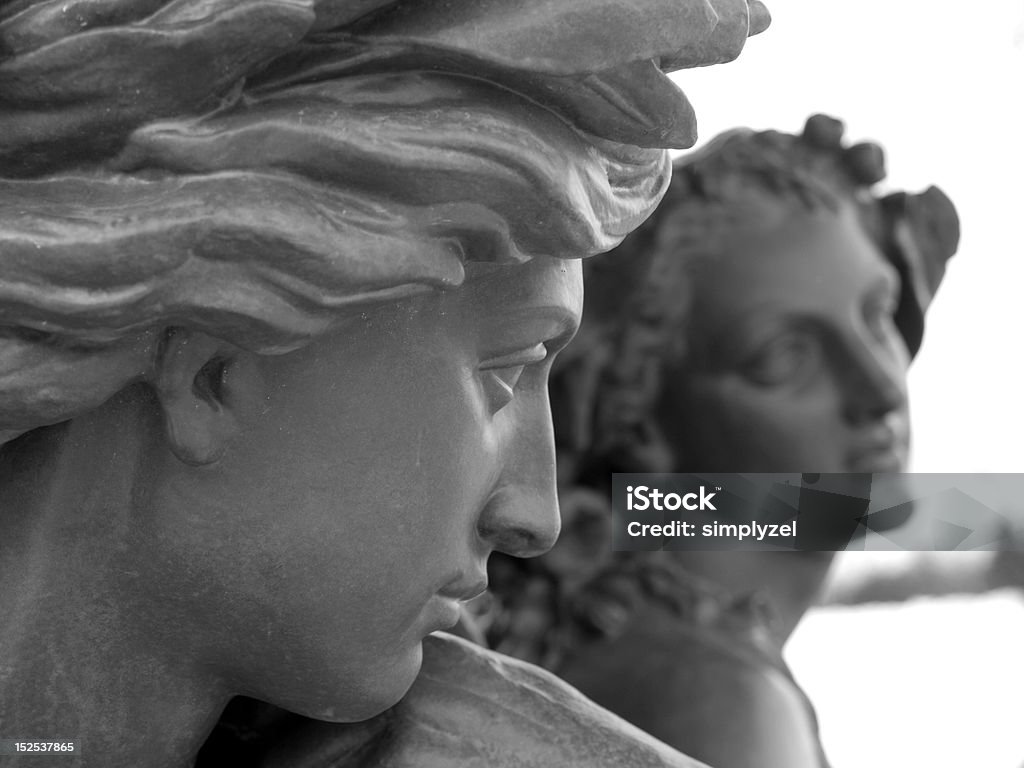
{"x": 280, "y": 285}
{"x": 772, "y": 304}
{"x": 761, "y": 320}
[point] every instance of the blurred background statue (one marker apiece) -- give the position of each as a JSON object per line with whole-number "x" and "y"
{"x": 280, "y": 285}
{"x": 761, "y": 321}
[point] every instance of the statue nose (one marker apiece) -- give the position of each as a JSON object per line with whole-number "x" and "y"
{"x": 521, "y": 521}
{"x": 876, "y": 388}
{"x": 521, "y": 517}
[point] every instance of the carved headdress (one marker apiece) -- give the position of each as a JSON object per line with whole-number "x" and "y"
{"x": 256, "y": 169}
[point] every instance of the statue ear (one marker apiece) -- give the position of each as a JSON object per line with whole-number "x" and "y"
{"x": 197, "y": 381}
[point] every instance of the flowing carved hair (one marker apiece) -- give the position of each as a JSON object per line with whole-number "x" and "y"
{"x": 259, "y": 169}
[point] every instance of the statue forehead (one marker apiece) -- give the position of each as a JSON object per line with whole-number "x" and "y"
{"x": 819, "y": 262}
{"x": 496, "y": 306}
{"x": 541, "y": 280}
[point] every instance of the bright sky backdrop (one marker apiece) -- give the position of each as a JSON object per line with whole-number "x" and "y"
{"x": 933, "y": 683}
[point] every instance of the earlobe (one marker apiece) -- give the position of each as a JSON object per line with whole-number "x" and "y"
{"x": 190, "y": 381}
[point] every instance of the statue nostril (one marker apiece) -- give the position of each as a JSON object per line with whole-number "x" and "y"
{"x": 517, "y": 525}
{"x": 518, "y": 542}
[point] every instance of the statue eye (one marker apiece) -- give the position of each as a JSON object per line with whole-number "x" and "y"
{"x": 785, "y": 359}
{"x": 500, "y": 375}
{"x": 500, "y": 385}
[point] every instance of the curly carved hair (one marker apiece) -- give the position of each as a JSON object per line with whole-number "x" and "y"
{"x": 605, "y": 386}
{"x": 260, "y": 169}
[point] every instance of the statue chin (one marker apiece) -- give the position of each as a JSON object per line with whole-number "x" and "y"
{"x": 357, "y": 695}
{"x": 470, "y": 706}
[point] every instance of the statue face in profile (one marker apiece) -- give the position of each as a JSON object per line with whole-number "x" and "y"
{"x": 279, "y": 287}
{"x": 365, "y": 482}
{"x": 796, "y": 359}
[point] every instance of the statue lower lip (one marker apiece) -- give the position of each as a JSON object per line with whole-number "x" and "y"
{"x": 444, "y": 613}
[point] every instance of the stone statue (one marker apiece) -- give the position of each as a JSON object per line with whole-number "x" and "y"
{"x": 280, "y": 285}
{"x": 761, "y": 321}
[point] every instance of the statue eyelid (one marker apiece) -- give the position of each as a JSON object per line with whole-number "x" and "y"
{"x": 520, "y": 357}
{"x": 784, "y": 357}
{"x": 499, "y": 375}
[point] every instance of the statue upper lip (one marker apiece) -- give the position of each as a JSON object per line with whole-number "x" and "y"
{"x": 884, "y": 439}
{"x": 464, "y": 587}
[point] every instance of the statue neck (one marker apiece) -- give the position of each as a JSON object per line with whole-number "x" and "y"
{"x": 78, "y": 662}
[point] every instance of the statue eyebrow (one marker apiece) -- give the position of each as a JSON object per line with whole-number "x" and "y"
{"x": 523, "y": 356}
{"x": 564, "y": 327}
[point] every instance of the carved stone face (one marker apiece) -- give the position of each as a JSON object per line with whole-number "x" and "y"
{"x": 372, "y": 475}
{"x": 795, "y": 363}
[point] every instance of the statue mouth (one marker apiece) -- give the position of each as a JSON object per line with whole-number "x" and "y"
{"x": 880, "y": 447}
